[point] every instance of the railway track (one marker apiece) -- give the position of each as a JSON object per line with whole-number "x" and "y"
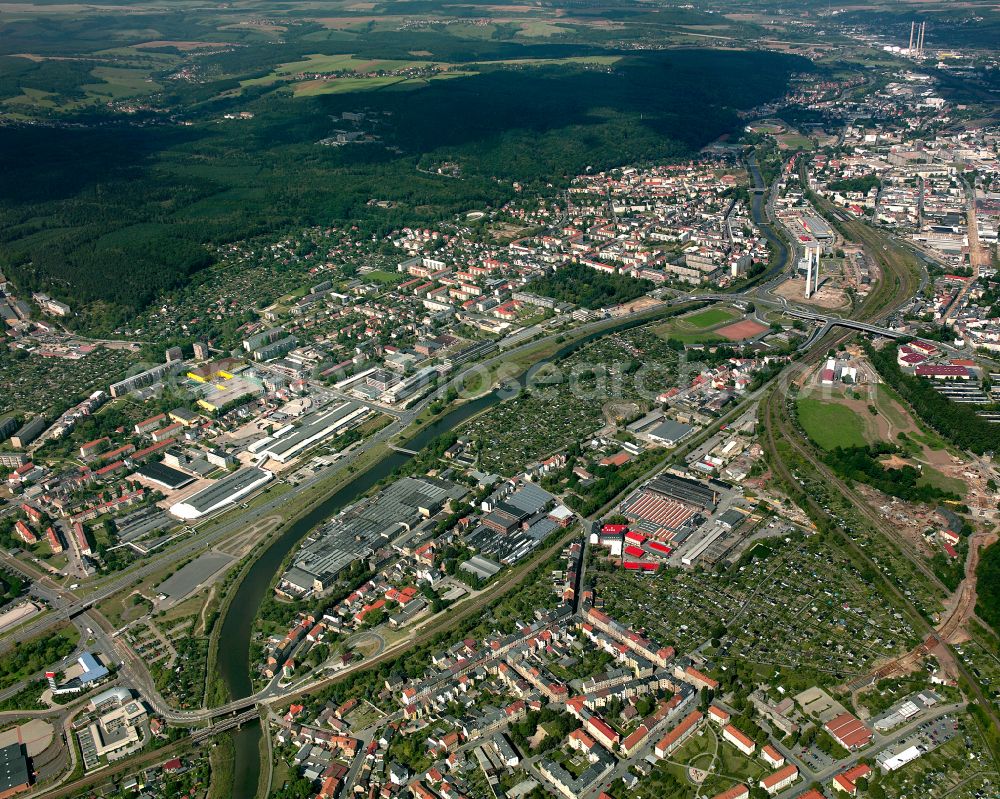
{"x": 897, "y": 285}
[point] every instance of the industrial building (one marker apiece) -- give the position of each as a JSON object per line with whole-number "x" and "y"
{"x": 291, "y": 441}
{"x": 658, "y": 429}
{"x": 363, "y": 528}
{"x": 165, "y": 476}
{"x": 222, "y": 493}
{"x": 15, "y": 776}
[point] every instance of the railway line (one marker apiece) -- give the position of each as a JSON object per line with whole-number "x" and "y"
{"x": 897, "y": 285}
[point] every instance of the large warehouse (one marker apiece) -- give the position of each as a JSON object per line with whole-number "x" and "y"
{"x": 314, "y": 428}
{"x": 221, "y": 493}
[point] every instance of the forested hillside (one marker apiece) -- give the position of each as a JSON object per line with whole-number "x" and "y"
{"x": 107, "y": 211}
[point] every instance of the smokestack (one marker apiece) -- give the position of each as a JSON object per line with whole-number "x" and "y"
{"x": 920, "y": 47}
{"x": 913, "y": 28}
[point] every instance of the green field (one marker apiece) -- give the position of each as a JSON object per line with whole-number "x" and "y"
{"x": 698, "y": 327}
{"x": 689, "y": 338}
{"x": 379, "y": 276}
{"x": 933, "y": 477}
{"x": 343, "y": 62}
{"x": 117, "y": 83}
{"x": 710, "y": 317}
{"x": 830, "y": 424}
{"x": 795, "y": 141}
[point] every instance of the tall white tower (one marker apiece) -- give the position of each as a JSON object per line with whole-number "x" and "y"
{"x": 812, "y": 270}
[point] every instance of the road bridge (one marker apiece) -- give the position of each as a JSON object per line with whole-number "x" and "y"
{"x": 224, "y": 725}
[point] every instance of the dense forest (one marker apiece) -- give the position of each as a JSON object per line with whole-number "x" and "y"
{"x": 588, "y": 287}
{"x": 959, "y": 424}
{"x": 988, "y": 587}
{"x": 106, "y": 214}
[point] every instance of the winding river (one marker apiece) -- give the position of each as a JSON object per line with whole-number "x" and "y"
{"x": 237, "y": 626}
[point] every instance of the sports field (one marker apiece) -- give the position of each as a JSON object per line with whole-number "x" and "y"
{"x": 710, "y": 317}
{"x": 701, "y": 327}
{"x": 744, "y": 329}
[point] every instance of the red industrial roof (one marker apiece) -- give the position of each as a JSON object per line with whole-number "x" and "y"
{"x": 931, "y": 370}
{"x": 848, "y": 731}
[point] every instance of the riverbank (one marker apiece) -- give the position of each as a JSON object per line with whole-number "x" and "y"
{"x": 236, "y": 631}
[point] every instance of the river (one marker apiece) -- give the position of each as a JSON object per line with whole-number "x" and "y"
{"x": 758, "y": 201}
{"x": 237, "y": 626}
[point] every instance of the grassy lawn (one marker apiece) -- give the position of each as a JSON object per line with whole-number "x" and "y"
{"x": 888, "y": 406}
{"x": 830, "y": 424}
{"x": 795, "y": 141}
{"x": 733, "y": 763}
{"x": 380, "y": 276}
{"x": 694, "y": 747}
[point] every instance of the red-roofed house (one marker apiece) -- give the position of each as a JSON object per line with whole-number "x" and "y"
{"x": 697, "y": 679}
{"x": 739, "y": 740}
{"x": 53, "y": 538}
{"x": 846, "y": 781}
{"x": 24, "y": 533}
{"x": 673, "y": 739}
{"x": 718, "y": 715}
{"x": 602, "y": 731}
{"x": 736, "y": 792}
{"x": 620, "y": 459}
{"x": 782, "y": 778}
{"x": 772, "y": 757}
